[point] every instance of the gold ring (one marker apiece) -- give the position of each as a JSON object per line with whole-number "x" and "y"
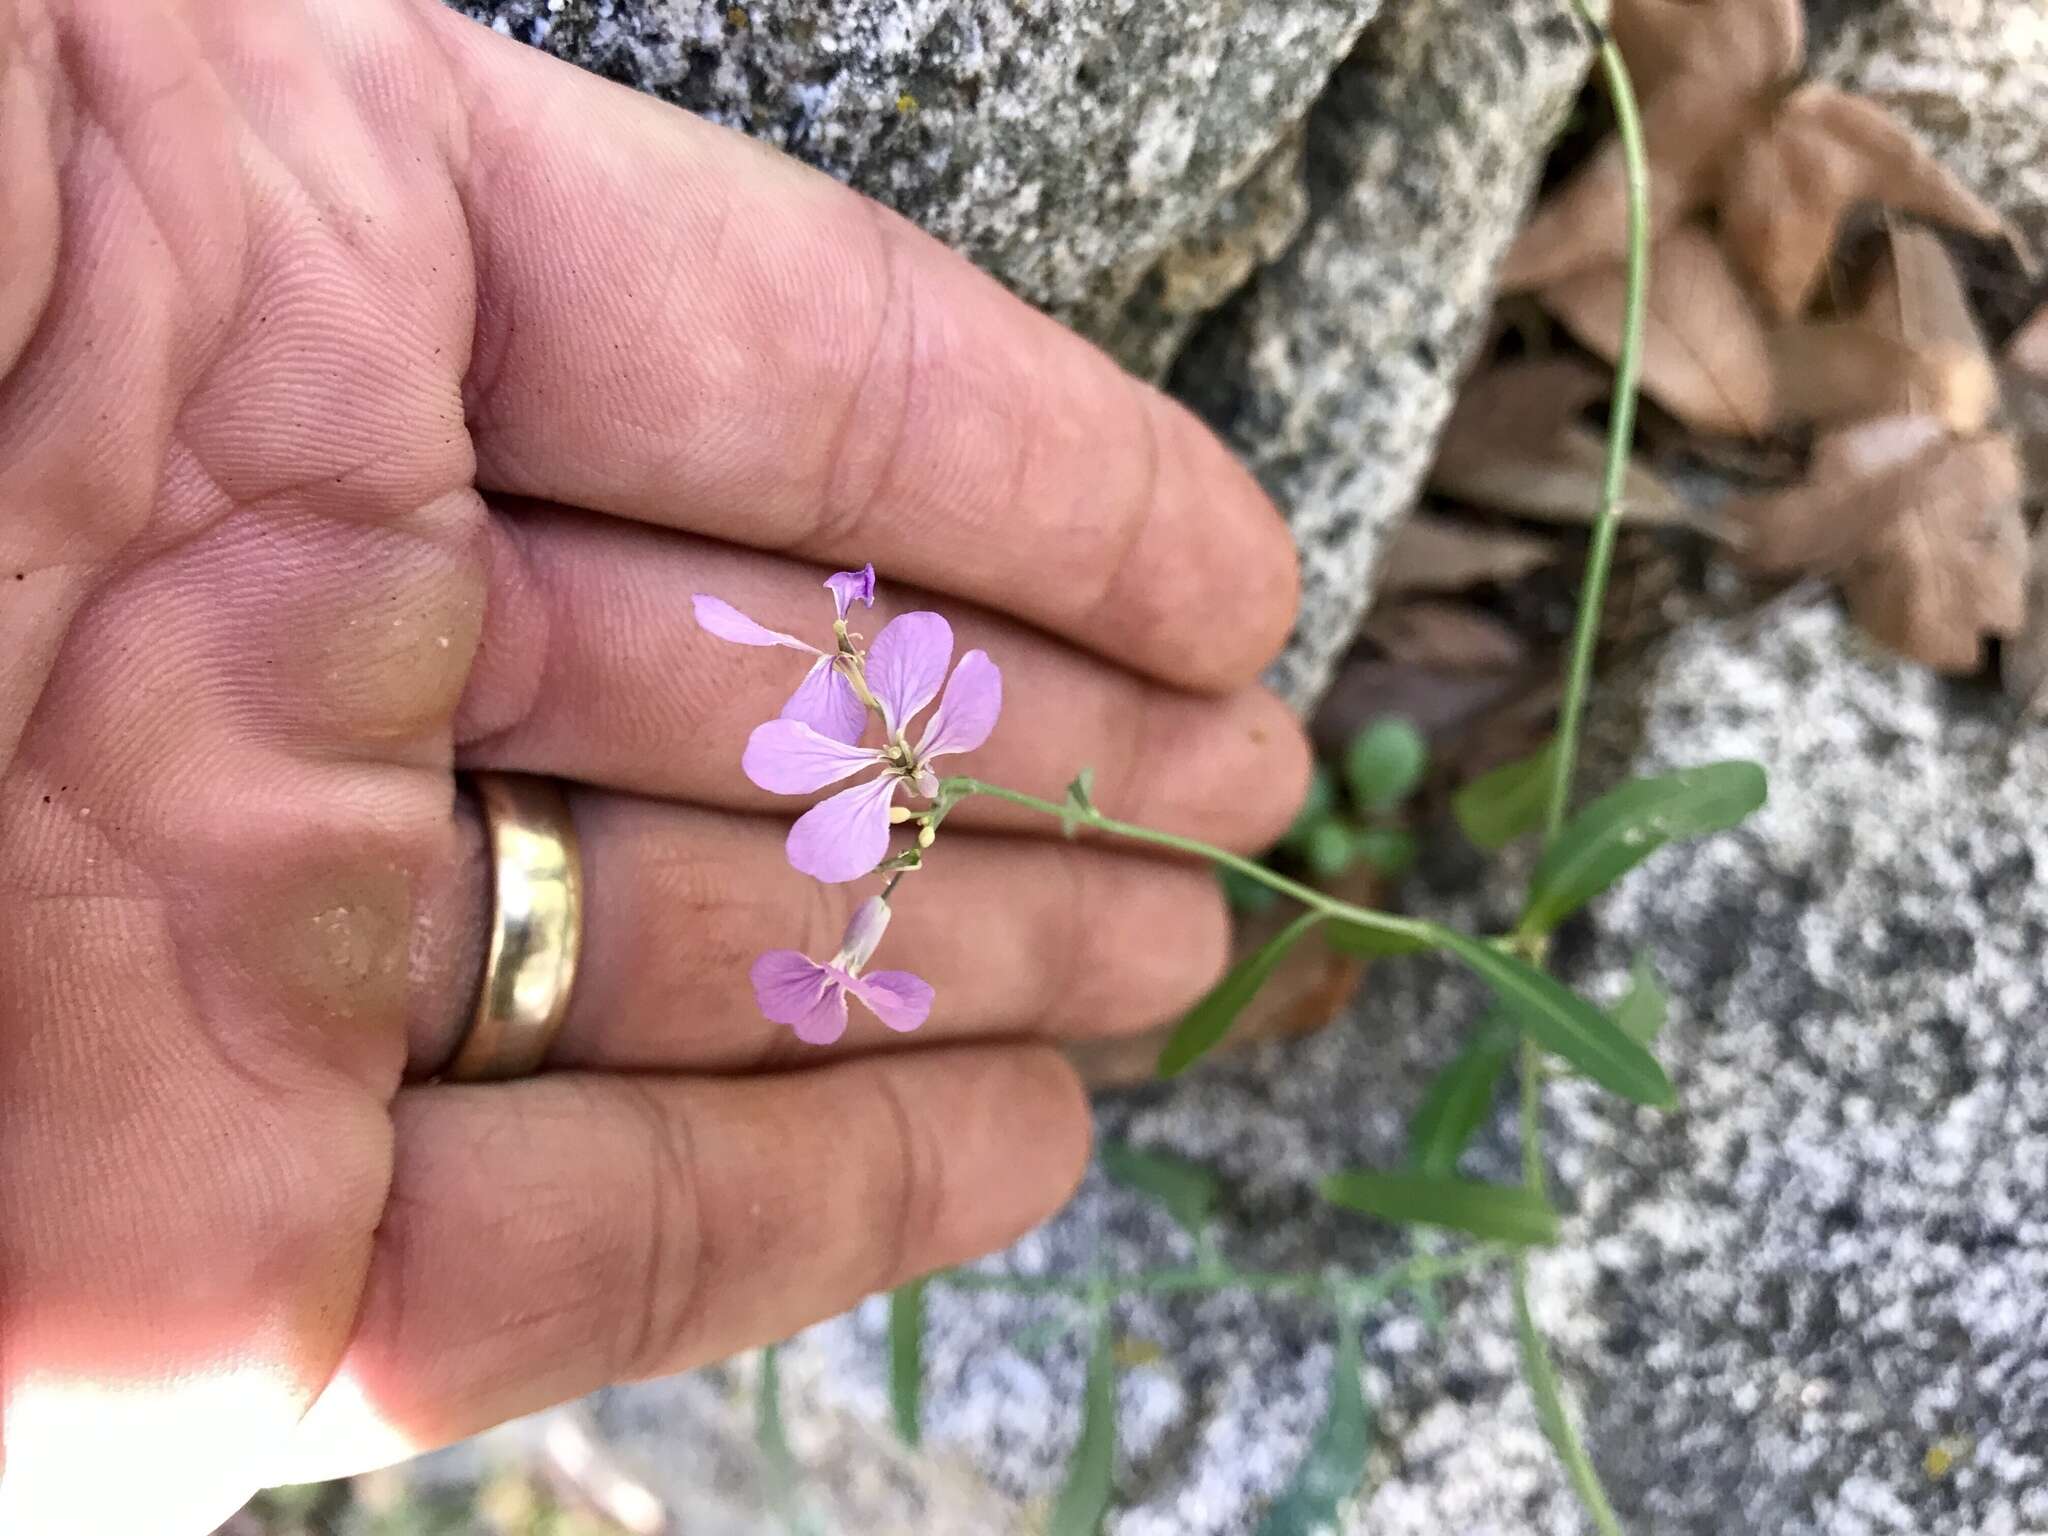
{"x": 536, "y": 927}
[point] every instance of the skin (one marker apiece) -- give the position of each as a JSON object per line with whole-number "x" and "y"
{"x": 373, "y": 395}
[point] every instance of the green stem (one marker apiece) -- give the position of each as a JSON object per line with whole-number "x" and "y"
{"x": 954, "y": 790}
{"x": 1537, "y": 1368}
{"x": 1621, "y": 428}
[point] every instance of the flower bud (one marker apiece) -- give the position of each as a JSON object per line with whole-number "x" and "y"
{"x": 926, "y": 836}
{"x": 899, "y": 814}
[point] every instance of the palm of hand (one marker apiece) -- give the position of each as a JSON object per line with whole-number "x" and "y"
{"x": 317, "y": 321}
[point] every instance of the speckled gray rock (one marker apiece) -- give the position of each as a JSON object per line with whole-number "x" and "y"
{"x": 1770, "y": 1305}
{"x": 1065, "y": 148}
{"x": 1333, "y": 372}
{"x": 1148, "y": 169}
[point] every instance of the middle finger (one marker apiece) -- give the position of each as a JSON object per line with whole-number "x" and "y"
{"x": 1018, "y": 937}
{"x": 592, "y": 667}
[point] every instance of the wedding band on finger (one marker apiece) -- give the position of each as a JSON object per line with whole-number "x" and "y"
{"x": 536, "y": 928}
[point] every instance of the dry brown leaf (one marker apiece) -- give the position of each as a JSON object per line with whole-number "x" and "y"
{"x": 1952, "y": 567}
{"x": 1440, "y": 554}
{"x": 1431, "y": 633}
{"x": 1840, "y": 509}
{"x": 2024, "y": 663}
{"x": 1687, "y": 126}
{"x": 1756, "y": 42}
{"x": 2028, "y": 349}
{"x": 1845, "y": 371}
{"x": 1705, "y": 356}
{"x": 1514, "y": 443}
{"x": 1792, "y": 181}
{"x": 1917, "y": 296}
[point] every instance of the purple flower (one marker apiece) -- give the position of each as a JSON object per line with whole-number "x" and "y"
{"x": 824, "y": 700}
{"x": 796, "y": 990}
{"x": 846, "y": 836}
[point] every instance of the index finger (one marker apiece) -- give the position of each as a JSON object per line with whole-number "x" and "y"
{"x": 679, "y": 326}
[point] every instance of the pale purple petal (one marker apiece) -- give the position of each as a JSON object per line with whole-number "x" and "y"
{"x": 846, "y": 836}
{"x": 870, "y": 920}
{"x": 825, "y": 702}
{"x": 787, "y": 757}
{"x": 907, "y": 665}
{"x": 965, "y": 716}
{"x": 717, "y": 616}
{"x": 788, "y": 984}
{"x": 899, "y": 999}
{"x": 850, "y": 587}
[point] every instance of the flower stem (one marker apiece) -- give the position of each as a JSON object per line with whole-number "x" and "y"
{"x": 1537, "y": 1368}
{"x": 1621, "y": 427}
{"x": 954, "y": 790}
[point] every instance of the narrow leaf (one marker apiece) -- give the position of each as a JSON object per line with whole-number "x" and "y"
{"x": 1358, "y": 939}
{"x": 771, "y": 1441}
{"x": 1458, "y": 1098}
{"x": 1335, "y": 1465}
{"x": 1643, "y": 1009}
{"x": 1385, "y": 763}
{"x": 1187, "y": 1190}
{"x": 1498, "y": 807}
{"x": 1080, "y": 802}
{"x": 1544, "y": 1388}
{"x": 1626, "y": 825}
{"x": 1210, "y": 1019}
{"x": 1564, "y": 1023}
{"x": 1085, "y": 1498}
{"x": 1505, "y": 1212}
{"x": 906, "y": 1359}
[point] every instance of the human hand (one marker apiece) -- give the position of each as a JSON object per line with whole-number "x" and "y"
{"x": 376, "y": 392}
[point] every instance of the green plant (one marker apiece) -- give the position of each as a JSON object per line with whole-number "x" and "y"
{"x": 1534, "y": 1016}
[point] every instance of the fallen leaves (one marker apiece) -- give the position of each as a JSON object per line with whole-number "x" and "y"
{"x": 1705, "y": 356}
{"x": 1516, "y": 442}
{"x": 1823, "y": 151}
{"x": 1912, "y": 495}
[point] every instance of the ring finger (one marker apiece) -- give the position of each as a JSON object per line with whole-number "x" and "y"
{"x": 1018, "y": 937}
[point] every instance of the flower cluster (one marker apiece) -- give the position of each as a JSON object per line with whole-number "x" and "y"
{"x": 817, "y": 741}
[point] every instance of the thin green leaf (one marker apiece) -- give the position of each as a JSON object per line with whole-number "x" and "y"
{"x": 1335, "y": 1465}
{"x": 1085, "y": 1498}
{"x": 771, "y": 1440}
{"x": 906, "y": 1359}
{"x": 1359, "y": 939}
{"x": 1505, "y": 1212}
{"x": 1626, "y": 825}
{"x": 1556, "y": 1422}
{"x": 1389, "y": 850}
{"x": 1210, "y": 1019}
{"x": 1564, "y": 1023}
{"x": 1385, "y": 762}
{"x": 1079, "y": 806}
{"x": 1458, "y": 1098}
{"x": 1498, "y": 807}
{"x": 1187, "y": 1190}
{"x": 1644, "y": 1008}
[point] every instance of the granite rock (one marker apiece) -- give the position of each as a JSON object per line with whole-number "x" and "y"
{"x": 1334, "y": 370}
{"x": 1772, "y": 1305}
{"x": 1318, "y": 201}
